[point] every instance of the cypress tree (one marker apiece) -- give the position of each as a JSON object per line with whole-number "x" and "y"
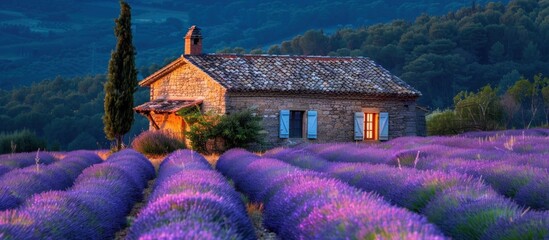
{"x": 121, "y": 80}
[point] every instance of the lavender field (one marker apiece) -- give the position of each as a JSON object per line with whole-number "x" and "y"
{"x": 489, "y": 185}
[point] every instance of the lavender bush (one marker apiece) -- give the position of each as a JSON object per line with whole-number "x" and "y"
{"x": 512, "y": 162}
{"x": 94, "y": 208}
{"x": 10, "y": 162}
{"x": 191, "y": 201}
{"x": 468, "y": 212}
{"x": 302, "y": 205}
{"x": 157, "y": 142}
{"x": 416, "y": 190}
{"x": 20, "y": 184}
{"x": 532, "y": 225}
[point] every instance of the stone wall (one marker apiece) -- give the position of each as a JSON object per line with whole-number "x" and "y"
{"x": 170, "y": 122}
{"x": 421, "y": 129}
{"x": 189, "y": 82}
{"x": 335, "y": 114}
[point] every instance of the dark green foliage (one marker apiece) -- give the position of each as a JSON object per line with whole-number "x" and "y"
{"x": 507, "y": 81}
{"x": 157, "y": 143}
{"x": 239, "y": 129}
{"x": 212, "y": 133}
{"x": 529, "y": 96}
{"x": 121, "y": 81}
{"x": 473, "y": 111}
{"x": 20, "y": 141}
{"x": 480, "y": 111}
{"x": 201, "y": 130}
{"x": 524, "y": 104}
{"x": 66, "y": 113}
{"x": 443, "y": 123}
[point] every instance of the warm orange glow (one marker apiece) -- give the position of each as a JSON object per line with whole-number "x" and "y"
{"x": 371, "y": 126}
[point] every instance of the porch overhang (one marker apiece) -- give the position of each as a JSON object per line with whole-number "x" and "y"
{"x": 163, "y": 106}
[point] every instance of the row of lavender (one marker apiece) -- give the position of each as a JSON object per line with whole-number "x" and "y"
{"x": 93, "y": 208}
{"x": 190, "y": 200}
{"x": 463, "y": 207}
{"x": 10, "y": 162}
{"x": 20, "y": 184}
{"x": 302, "y": 204}
{"x": 524, "y": 178}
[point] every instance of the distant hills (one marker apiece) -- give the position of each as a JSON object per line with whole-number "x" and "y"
{"x": 44, "y": 39}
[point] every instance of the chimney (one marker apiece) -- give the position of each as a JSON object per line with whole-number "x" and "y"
{"x": 193, "y": 41}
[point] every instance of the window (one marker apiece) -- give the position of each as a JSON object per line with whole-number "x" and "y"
{"x": 292, "y": 124}
{"x": 296, "y": 124}
{"x": 371, "y": 126}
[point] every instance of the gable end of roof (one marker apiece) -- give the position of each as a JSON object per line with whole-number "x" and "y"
{"x": 162, "y": 72}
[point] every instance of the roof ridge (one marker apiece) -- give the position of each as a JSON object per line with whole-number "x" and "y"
{"x": 277, "y": 55}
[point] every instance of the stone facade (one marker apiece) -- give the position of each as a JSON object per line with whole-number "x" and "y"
{"x": 170, "y": 122}
{"x": 335, "y": 114}
{"x": 189, "y": 82}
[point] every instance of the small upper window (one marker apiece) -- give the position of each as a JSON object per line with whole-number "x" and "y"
{"x": 371, "y": 126}
{"x": 296, "y": 124}
{"x": 195, "y": 41}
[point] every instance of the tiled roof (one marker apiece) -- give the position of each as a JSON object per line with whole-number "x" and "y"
{"x": 301, "y": 74}
{"x": 166, "y": 106}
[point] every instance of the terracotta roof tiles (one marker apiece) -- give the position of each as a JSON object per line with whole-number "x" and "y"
{"x": 310, "y": 74}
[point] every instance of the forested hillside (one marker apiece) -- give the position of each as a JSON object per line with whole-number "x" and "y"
{"x": 443, "y": 55}
{"x": 74, "y": 38}
{"x": 65, "y": 112}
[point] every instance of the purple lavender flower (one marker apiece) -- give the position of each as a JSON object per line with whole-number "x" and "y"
{"x": 532, "y": 225}
{"x": 192, "y": 230}
{"x": 4, "y": 169}
{"x": 235, "y": 159}
{"x": 192, "y": 201}
{"x": 95, "y": 207}
{"x": 535, "y": 193}
{"x": 7, "y": 199}
{"x": 359, "y": 218}
{"x": 192, "y": 206}
{"x": 56, "y": 215}
{"x": 195, "y": 180}
{"x": 300, "y": 158}
{"x": 15, "y": 224}
{"x": 467, "y": 213}
{"x": 21, "y": 160}
{"x": 291, "y": 195}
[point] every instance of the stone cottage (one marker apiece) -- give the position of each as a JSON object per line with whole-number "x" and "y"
{"x": 300, "y": 98}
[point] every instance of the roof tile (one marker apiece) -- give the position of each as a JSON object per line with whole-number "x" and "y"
{"x": 342, "y": 75}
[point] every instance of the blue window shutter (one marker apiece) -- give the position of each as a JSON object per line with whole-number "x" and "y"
{"x": 359, "y": 126}
{"x": 311, "y": 124}
{"x": 383, "y": 126}
{"x": 284, "y": 124}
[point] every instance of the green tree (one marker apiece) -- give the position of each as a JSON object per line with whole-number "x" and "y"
{"x": 497, "y": 52}
{"x": 531, "y": 98}
{"x": 507, "y": 81}
{"x": 530, "y": 53}
{"x": 480, "y": 110}
{"x": 314, "y": 43}
{"x": 545, "y": 95}
{"x": 121, "y": 80}
{"x": 521, "y": 92}
{"x": 443, "y": 123}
